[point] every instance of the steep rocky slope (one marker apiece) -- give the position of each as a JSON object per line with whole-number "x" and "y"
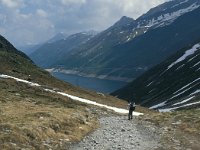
{"x": 173, "y": 84}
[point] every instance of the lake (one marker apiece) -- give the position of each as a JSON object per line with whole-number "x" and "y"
{"x": 99, "y": 85}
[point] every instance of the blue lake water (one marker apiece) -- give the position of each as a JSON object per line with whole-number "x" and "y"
{"x": 99, "y": 85}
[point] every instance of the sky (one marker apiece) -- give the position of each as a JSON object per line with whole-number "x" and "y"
{"x": 25, "y": 22}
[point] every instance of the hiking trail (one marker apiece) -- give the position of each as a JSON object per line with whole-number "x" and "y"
{"x": 118, "y": 133}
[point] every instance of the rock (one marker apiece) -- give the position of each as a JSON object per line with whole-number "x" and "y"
{"x": 17, "y": 94}
{"x": 94, "y": 141}
{"x": 41, "y": 118}
{"x": 123, "y": 130}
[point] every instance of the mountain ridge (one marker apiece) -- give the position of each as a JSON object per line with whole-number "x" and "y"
{"x": 119, "y": 56}
{"x": 58, "y": 49}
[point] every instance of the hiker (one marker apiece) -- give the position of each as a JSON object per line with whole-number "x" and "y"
{"x": 131, "y": 107}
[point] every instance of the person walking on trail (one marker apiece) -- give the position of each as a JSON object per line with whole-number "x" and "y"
{"x": 131, "y": 107}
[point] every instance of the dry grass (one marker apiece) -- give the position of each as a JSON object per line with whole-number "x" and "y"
{"x": 34, "y": 119}
{"x": 178, "y": 129}
{"x": 187, "y": 121}
{"x": 37, "y": 127}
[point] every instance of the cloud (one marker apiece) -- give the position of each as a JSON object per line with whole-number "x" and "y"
{"x": 34, "y": 21}
{"x": 11, "y": 3}
{"x": 67, "y": 2}
{"x": 41, "y": 13}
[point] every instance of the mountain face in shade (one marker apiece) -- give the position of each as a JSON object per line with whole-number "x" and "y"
{"x": 57, "y": 37}
{"x": 123, "y": 22}
{"x": 30, "y": 48}
{"x": 173, "y": 84}
{"x": 6, "y": 46}
{"x": 16, "y": 63}
{"x": 49, "y": 53}
{"x": 130, "y": 47}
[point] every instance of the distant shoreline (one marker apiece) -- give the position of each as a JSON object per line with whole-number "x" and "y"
{"x": 74, "y": 72}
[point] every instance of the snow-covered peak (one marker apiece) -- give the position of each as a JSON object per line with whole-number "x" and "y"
{"x": 167, "y": 13}
{"x": 168, "y": 18}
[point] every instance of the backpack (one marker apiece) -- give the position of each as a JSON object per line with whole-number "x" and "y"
{"x": 132, "y": 107}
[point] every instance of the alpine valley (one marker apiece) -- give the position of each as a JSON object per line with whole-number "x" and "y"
{"x": 130, "y": 47}
{"x": 158, "y": 54}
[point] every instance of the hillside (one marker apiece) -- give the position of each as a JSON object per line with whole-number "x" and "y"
{"x": 173, "y": 84}
{"x": 32, "y": 117}
{"x": 130, "y": 47}
{"x": 52, "y": 51}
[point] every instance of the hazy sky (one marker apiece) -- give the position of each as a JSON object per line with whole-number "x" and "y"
{"x": 34, "y": 21}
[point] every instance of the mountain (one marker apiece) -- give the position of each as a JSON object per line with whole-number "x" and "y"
{"x": 29, "y": 48}
{"x": 173, "y": 84}
{"x": 130, "y": 47}
{"x": 52, "y": 51}
{"x": 16, "y": 63}
{"x": 7, "y": 47}
{"x": 57, "y": 37}
{"x": 167, "y": 13}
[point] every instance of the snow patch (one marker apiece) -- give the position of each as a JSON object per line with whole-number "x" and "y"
{"x": 198, "y": 69}
{"x": 196, "y": 64}
{"x": 197, "y": 91}
{"x": 180, "y": 67}
{"x": 180, "y": 3}
{"x": 118, "y": 110}
{"x": 184, "y": 101}
{"x": 168, "y": 18}
{"x": 158, "y": 105}
{"x": 174, "y": 108}
{"x": 187, "y": 85}
{"x": 128, "y": 39}
{"x": 192, "y": 58}
{"x": 180, "y": 93}
{"x": 187, "y": 53}
{"x": 149, "y": 84}
{"x": 19, "y": 80}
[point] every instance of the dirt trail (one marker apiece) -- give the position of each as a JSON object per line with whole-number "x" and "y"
{"x": 120, "y": 133}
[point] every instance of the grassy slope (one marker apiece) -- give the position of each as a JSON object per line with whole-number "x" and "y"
{"x": 34, "y": 119}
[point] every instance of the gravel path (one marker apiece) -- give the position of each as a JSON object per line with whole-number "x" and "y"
{"x": 118, "y": 133}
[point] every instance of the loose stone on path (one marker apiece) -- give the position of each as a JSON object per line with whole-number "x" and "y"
{"x": 118, "y": 133}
